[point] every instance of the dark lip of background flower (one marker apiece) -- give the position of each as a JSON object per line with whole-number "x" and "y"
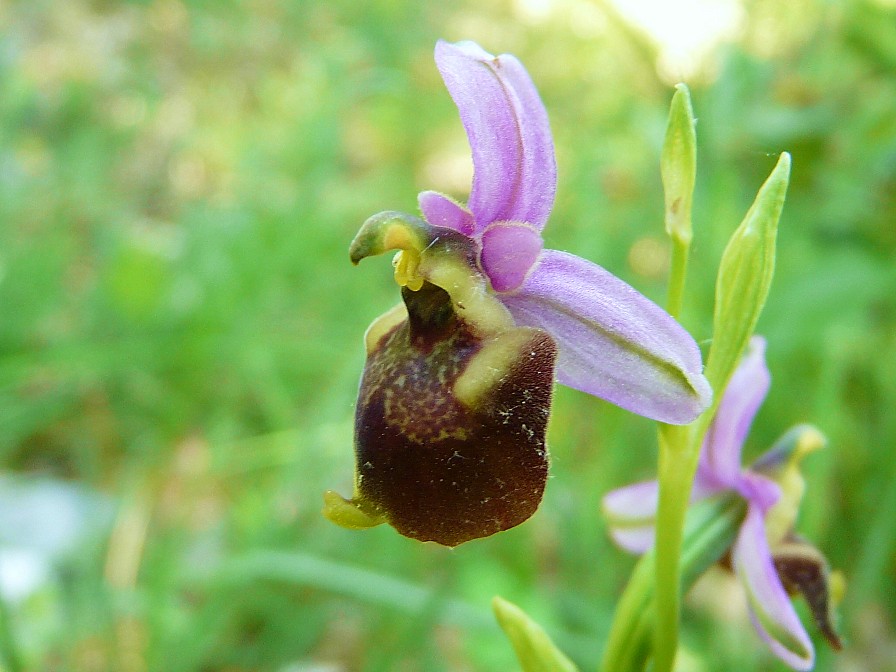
{"x": 613, "y": 342}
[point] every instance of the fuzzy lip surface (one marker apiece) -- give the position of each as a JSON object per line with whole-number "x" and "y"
{"x": 444, "y": 462}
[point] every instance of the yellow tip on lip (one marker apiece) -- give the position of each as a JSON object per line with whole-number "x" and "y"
{"x": 346, "y": 513}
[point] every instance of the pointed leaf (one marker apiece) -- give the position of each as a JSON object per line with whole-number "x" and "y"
{"x": 534, "y": 649}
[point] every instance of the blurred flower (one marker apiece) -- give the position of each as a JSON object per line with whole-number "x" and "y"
{"x": 44, "y": 522}
{"x": 768, "y": 558}
{"x": 456, "y": 392}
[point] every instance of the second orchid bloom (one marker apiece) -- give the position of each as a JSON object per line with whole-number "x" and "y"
{"x": 455, "y": 397}
{"x": 769, "y": 559}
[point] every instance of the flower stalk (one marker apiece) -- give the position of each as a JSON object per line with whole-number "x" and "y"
{"x": 742, "y": 287}
{"x": 678, "y": 456}
{"x": 711, "y": 529}
{"x": 679, "y": 447}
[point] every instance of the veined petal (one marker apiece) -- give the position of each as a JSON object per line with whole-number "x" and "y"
{"x": 509, "y": 251}
{"x": 631, "y": 515}
{"x": 514, "y": 170}
{"x": 614, "y": 342}
{"x": 770, "y": 609}
{"x": 720, "y": 455}
{"x": 440, "y": 210}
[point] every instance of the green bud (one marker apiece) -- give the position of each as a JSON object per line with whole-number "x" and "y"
{"x": 534, "y": 649}
{"x": 678, "y": 165}
{"x": 745, "y": 275}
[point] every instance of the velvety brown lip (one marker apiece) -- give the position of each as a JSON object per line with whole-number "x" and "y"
{"x": 435, "y": 467}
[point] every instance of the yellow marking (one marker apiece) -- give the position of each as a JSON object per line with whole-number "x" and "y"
{"x": 472, "y": 302}
{"x": 406, "y": 263}
{"x": 782, "y": 516}
{"x": 383, "y": 325}
{"x": 491, "y": 364}
{"x": 348, "y": 513}
{"x": 399, "y": 237}
{"x": 836, "y": 587}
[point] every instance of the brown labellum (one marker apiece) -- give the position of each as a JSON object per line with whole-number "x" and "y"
{"x": 450, "y": 424}
{"x": 803, "y": 569}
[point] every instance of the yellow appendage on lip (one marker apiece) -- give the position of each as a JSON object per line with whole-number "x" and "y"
{"x": 407, "y": 264}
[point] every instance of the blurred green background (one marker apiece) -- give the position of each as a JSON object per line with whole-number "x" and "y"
{"x": 180, "y": 340}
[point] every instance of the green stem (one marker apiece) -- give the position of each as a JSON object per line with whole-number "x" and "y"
{"x": 711, "y": 529}
{"x": 678, "y": 462}
{"x": 625, "y": 633}
{"x": 677, "y": 274}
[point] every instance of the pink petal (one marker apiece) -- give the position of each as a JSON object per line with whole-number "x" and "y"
{"x": 514, "y": 170}
{"x": 509, "y": 251}
{"x": 614, "y": 342}
{"x": 631, "y": 514}
{"x": 720, "y": 455}
{"x": 440, "y": 210}
{"x": 771, "y": 611}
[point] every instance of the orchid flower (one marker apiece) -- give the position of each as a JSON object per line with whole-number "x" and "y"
{"x": 456, "y": 393}
{"x": 768, "y": 558}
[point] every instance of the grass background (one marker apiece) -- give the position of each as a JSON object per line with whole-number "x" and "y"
{"x": 180, "y": 340}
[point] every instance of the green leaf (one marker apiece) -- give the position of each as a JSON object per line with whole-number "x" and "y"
{"x": 534, "y": 649}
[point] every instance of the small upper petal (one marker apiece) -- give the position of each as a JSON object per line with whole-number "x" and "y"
{"x": 759, "y": 491}
{"x": 770, "y": 608}
{"x": 514, "y": 170}
{"x": 614, "y": 342}
{"x": 720, "y": 457}
{"x": 440, "y": 210}
{"x": 509, "y": 251}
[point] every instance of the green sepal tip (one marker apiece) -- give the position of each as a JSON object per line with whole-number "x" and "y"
{"x": 346, "y": 513}
{"x": 745, "y": 276}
